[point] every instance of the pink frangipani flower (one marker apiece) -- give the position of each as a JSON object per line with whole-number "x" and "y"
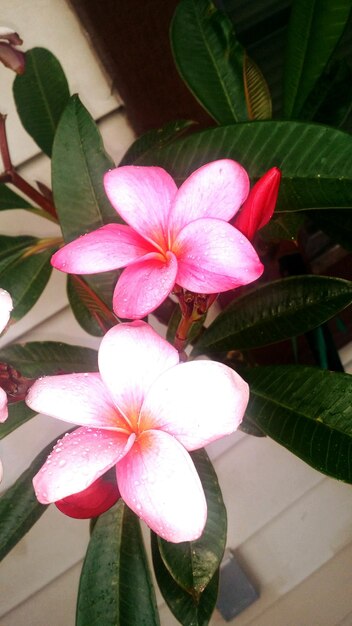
{"x": 173, "y": 236}
{"x": 142, "y": 412}
{"x": 5, "y": 310}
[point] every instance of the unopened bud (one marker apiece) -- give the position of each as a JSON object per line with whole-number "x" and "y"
{"x": 9, "y": 56}
{"x": 91, "y": 502}
{"x": 259, "y": 207}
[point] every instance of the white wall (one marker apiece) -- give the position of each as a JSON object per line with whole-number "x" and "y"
{"x": 290, "y": 526}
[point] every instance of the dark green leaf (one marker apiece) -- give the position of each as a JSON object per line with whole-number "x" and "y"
{"x": 41, "y": 94}
{"x": 256, "y": 90}
{"x": 276, "y": 311}
{"x": 154, "y": 139}
{"x": 11, "y": 200}
{"x": 315, "y": 29}
{"x": 89, "y": 310}
{"x": 19, "y": 413}
{"x": 335, "y": 223}
{"x": 79, "y": 163}
{"x": 193, "y": 564}
{"x": 19, "y": 507}
{"x": 209, "y": 59}
{"x": 250, "y": 429}
{"x": 189, "y": 610}
{"x": 316, "y": 161}
{"x": 26, "y": 278}
{"x": 307, "y": 410}
{"x": 283, "y": 226}
{"x": 39, "y": 358}
{"x": 116, "y": 585}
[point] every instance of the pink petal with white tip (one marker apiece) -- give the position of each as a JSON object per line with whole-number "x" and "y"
{"x": 107, "y": 248}
{"x": 216, "y": 189}
{"x": 213, "y": 256}
{"x": 131, "y": 357}
{"x": 143, "y": 286}
{"x": 5, "y": 308}
{"x": 196, "y": 402}
{"x": 78, "y": 398}
{"x": 77, "y": 460}
{"x": 142, "y": 196}
{"x": 4, "y": 413}
{"x": 158, "y": 481}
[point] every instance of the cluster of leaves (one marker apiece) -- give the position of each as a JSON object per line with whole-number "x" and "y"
{"x": 306, "y": 409}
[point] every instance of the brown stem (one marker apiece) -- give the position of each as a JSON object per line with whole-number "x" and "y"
{"x": 10, "y": 174}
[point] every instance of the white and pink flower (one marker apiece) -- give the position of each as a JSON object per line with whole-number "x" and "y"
{"x": 142, "y": 413}
{"x": 5, "y": 310}
{"x": 173, "y": 236}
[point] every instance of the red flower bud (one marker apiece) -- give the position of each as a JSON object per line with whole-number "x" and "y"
{"x": 259, "y": 207}
{"x": 9, "y": 56}
{"x": 91, "y": 502}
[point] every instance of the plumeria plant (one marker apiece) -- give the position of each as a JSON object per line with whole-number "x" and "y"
{"x": 188, "y": 221}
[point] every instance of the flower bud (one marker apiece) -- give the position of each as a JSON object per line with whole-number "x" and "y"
{"x": 91, "y": 502}
{"x": 259, "y": 207}
{"x": 9, "y": 56}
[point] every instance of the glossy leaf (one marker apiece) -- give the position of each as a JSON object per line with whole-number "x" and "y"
{"x": 11, "y": 200}
{"x": 19, "y": 507}
{"x": 256, "y": 90}
{"x": 315, "y": 29}
{"x": 307, "y": 410}
{"x": 154, "y": 139}
{"x": 41, "y": 94}
{"x": 19, "y": 413}
{"x": 89, "y": 310}
{"x": 116, "y": 585}
{"x": 25, "y": 278}
{"x": 209, "y": 59}
{"x": 275, "y": 312}
{"x": 189, "y": 610}
{"x": 79, "y": 163}
{"x": 193, "y": 564}
{"x": 44, "y": 358}
{"x": 315, "y": 161}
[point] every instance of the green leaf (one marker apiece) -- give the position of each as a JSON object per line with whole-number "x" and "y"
{"x": 154, "y": 139}
{"x": 283, "y": 226}
{"x": 116, "y": 585}
{"x": 19, "y": 507}
{"x": 256, "y": 90}
{"x": 89, "y": 310}
{"x": 307, "y": 410}
{"x": 19, "y": 413}
{"x": 11, "y": 200}
{"x": 275, "y": 312}
{"x": 43, "y": 358}
{"x": 335, "y": 223}
{"x": 209, "y": 59}
{"x": 189, "y": 610}
{"x": 315, "y": 29}
{"x": 315, "y": 160}
{"x": 41, "y": 94}
{"x": 25, "y": 278}
{"x": 193, "y": 564}
{"x": 79, "y": 163}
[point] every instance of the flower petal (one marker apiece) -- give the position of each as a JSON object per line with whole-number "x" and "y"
{"x": 91, "y": 502}
{"x": 142, "y": 196}
{"x": 217, "y": 190}
{"x": 77, "y": 460}
{"x": 107, "y": 248}
{"x": 78, "y": 398}
{"x": 131, "y": 357}
{"x": 213, "y": 256}
{"x": 158, "y": 481}
{"x": 143, "y": 286}
{"x": 196, "y": 402}
{"x": 4, "y": 413}
{"x": 5, "y": 308}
